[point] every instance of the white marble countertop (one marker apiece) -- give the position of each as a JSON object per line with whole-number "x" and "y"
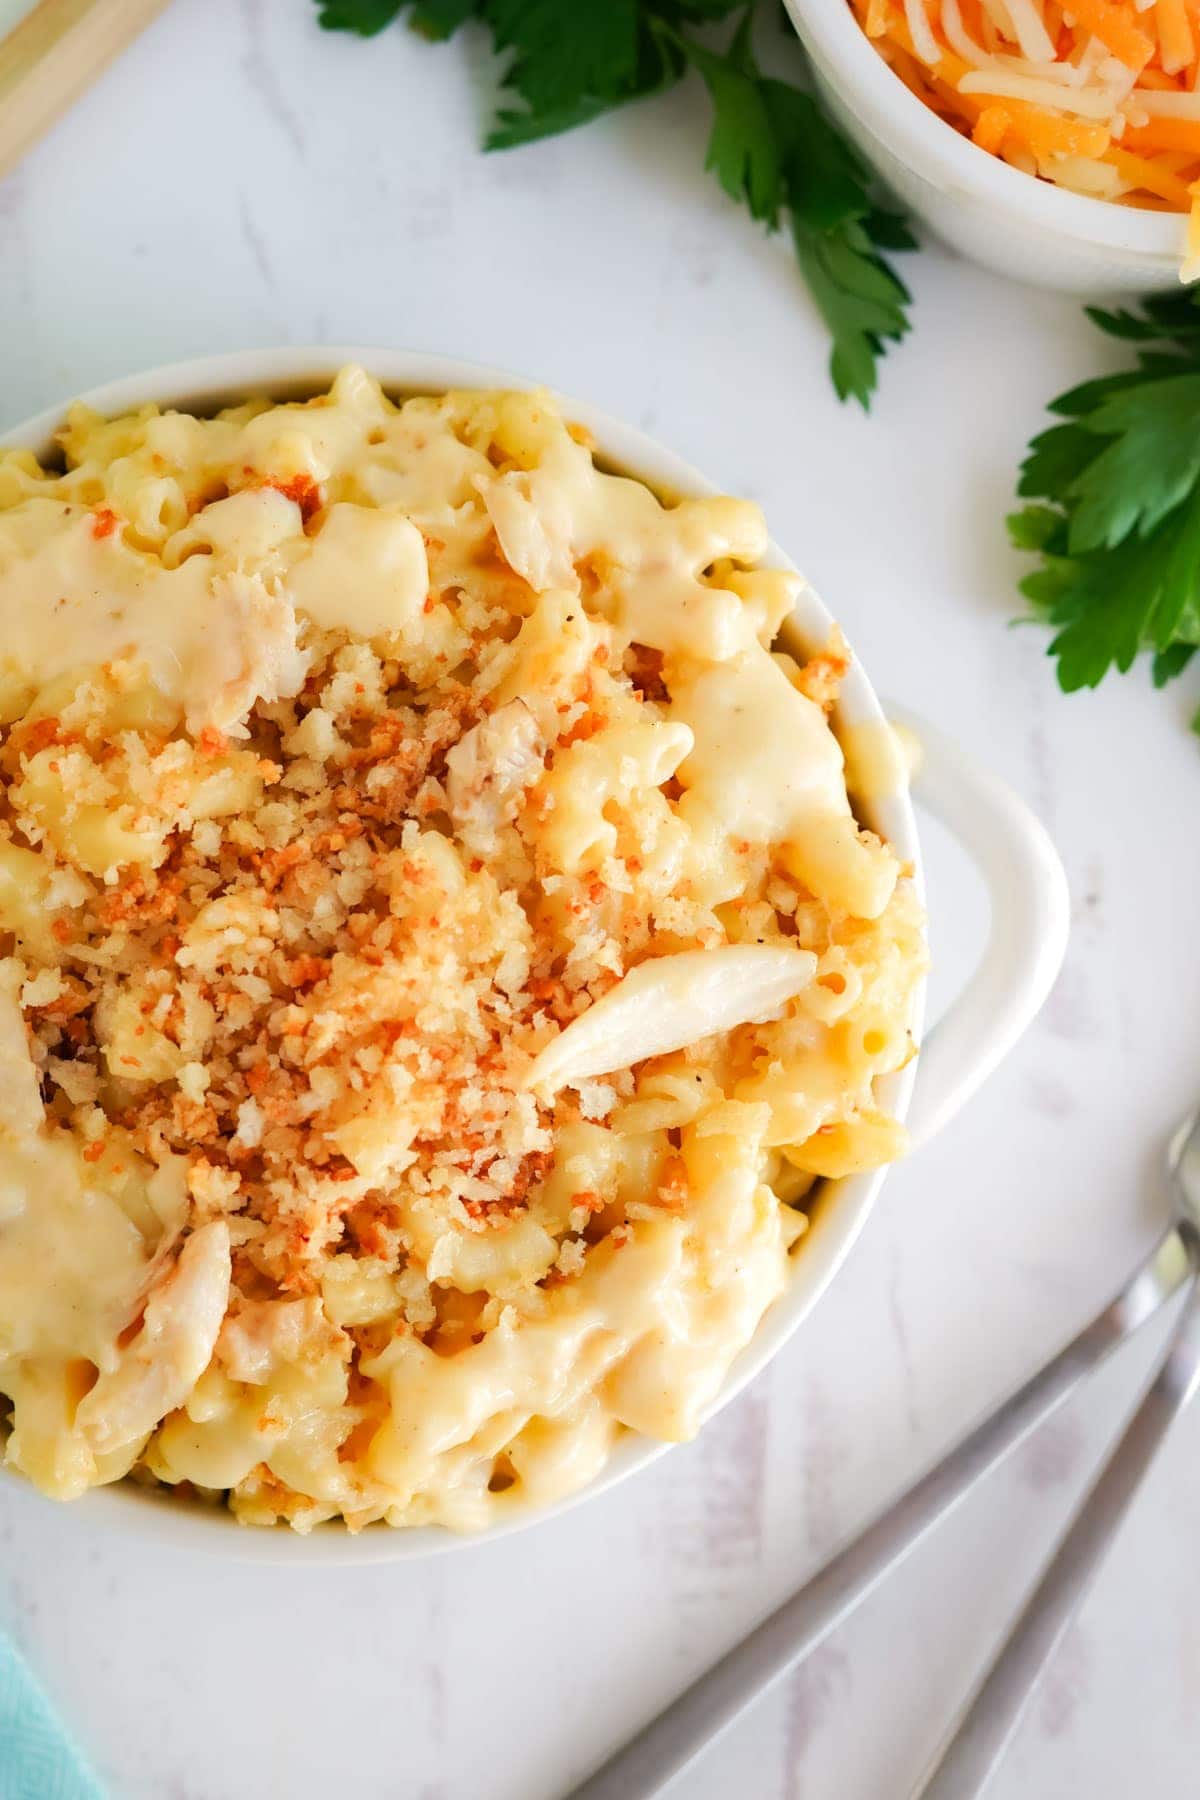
{"x": 240, "y": 179}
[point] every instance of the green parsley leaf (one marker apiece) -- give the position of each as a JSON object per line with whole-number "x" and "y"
{"x": 743, "y": 150}
{"x": 572, "y": 62}
{"x": 1119, "y": 540}
{"x": 889, "y": 230}
{"x": 366, "y": 17}
{"x": 1056, "y": 457}
{"x": 860, "y": 299}
{"x": 698, "y": 12}
{"x": 826, "y": 182}
{"x": 565, "y": 52}
{"x": 1035, "y": 528}
{"x": 1174, "y": 317}
{"x": 1168, "y": 664}
{"x": 1089, "y": 394}
{"x": 771, "y": 146}
{"x": 1103, "y": 603}
{"x": 1147, "y": 470}
{"x": 516, "y": 127}
{"x": 434, "y": 19}
{"x": 440, "y": 19}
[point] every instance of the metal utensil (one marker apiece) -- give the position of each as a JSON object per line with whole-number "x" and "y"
{"x": 992, "y": 1716}
{"x": 670, "y": 1743}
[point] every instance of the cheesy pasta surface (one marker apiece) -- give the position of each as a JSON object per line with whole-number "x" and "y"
{"x": 439, "y": 955}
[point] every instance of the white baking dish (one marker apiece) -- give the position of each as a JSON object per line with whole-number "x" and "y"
{"x": 1021, "y": 869}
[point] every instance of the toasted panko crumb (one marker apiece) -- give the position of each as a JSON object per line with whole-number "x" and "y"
{"x": 284, "y": 964}
{"x": 320, "y": 997}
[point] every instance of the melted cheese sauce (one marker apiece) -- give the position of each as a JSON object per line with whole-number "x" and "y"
{"x": 71, "y": 1271}
{"x": 76, "y": 1232}
{"x": 215, "y": 640}
{"x": 219, "y": 630}
{"x": 219, "y": 546}
{"x": 764, "y": 757}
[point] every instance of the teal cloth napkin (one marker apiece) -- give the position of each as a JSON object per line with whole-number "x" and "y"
{"x": 38, "y": 1760}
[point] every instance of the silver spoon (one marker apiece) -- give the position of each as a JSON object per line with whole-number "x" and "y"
{"x": 670, "y": 1743}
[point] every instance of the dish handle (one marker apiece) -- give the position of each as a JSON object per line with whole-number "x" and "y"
{"x": 1027, "y": 936}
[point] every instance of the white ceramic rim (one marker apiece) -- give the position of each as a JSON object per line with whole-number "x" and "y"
{"x": 935, "y": 150}
{"x": 288, "y": 373}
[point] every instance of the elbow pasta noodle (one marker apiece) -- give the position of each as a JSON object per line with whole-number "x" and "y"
{"x": 353, "y": 752}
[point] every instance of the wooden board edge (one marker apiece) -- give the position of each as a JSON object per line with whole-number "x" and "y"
{"x": 52, "y": 55}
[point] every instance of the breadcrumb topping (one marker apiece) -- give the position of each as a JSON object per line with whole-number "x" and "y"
{"x": 324, "y": 1000}
{"x": 292, "y": 906}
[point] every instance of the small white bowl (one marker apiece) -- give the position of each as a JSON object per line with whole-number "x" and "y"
{"x": 1015, "y": 224}
{"x": 1024, "y": 877}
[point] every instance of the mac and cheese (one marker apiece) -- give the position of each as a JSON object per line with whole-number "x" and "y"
{"x": 438, "y": 955}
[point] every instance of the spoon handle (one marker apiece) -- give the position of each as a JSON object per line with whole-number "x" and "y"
{"x": 673, "y": 1740}
{"x": 967, "y": 1762}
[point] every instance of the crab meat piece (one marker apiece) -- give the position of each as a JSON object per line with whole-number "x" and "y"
{"x": 157, "y": 1369}
{"x": 669, "y": 1002}
{"x": 264, "y": 1335}
{"x": 488, "y": 771}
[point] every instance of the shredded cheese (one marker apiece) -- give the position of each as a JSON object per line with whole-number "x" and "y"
{"x": 1102, "y": 97}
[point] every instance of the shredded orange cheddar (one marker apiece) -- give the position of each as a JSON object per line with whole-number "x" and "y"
{"x": 1174, "y": 36}
{"x": 1102, "y": 96}
{"x": 990, "y": 128}
{"x": 1114, "y": 24}
{"x": 1163, "y": 134}
{"x": 1141, "y": 173}
{"x": 1048, "y": 134}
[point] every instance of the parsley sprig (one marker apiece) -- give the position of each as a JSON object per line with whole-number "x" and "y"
{"x": 1117, "y": 530}
{"x": 771, "y": 147}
